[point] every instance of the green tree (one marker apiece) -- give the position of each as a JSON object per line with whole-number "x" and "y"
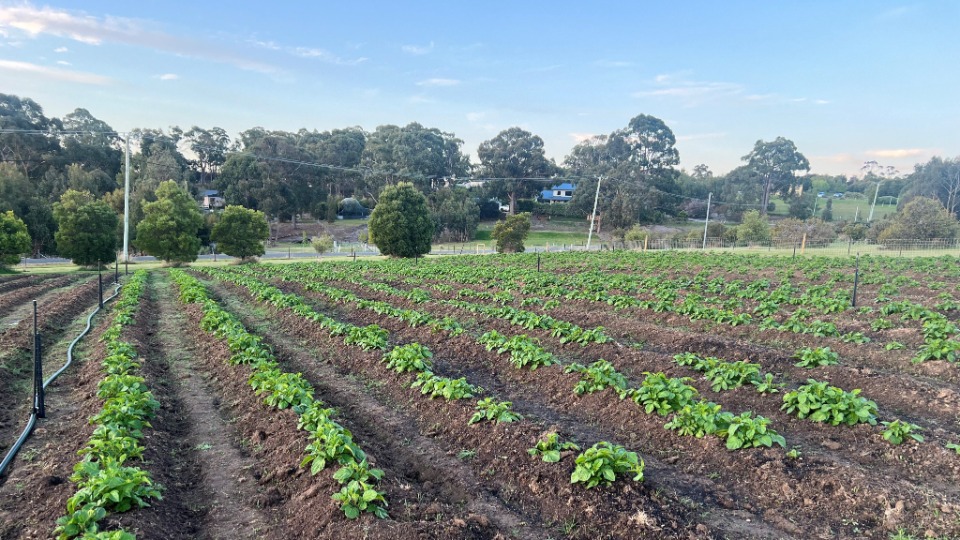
{"x": 638, "y": 168}
{"x": 424, "y": 154}
{"x": 322, "y": 244}
{"x": 816, "y": 231}
{"x": 938, "y": 178}
{"x": 86, "y": 228}
{"x": 753, "y": 228}
{"x": 923, "y": 218}
{"x": 827, "y": 214}
{"x": 240, "y": 232}
{"x": 400, "y": 225}
{"x": 511, "y": 233}
{"x": 170, "y": 224}
{"x": 513, "y": 155}
{"x": 776, "y": 162}
{"x": 14, "y": 240}
{"x": 331, "y": 208}
{"x": 456, "y": 214}
{"x": 19, "y": 194}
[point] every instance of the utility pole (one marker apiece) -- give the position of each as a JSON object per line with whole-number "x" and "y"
{"x": 126, "y": 202}
{"x": 593, "y": 216}
{"x": 874, "y": 205}
{"x": 706, "y": 222}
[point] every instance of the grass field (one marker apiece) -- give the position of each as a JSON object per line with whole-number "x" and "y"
{"x": 843, "y": 209}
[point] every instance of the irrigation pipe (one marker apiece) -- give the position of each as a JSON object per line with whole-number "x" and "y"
{"x": 12, "y": 453}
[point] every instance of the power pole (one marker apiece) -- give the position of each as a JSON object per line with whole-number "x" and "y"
{"x": 593, "y": 216}
{"x": 706, "y": 222}
{"x": 874, "y": 205}
{"x": 126, "y": 201}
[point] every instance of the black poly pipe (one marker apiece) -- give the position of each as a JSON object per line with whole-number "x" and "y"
{"x": 32, "y": 422}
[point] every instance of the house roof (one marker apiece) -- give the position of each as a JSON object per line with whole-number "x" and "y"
{"x": 566, "y": 186}
{"x": 209, "y": 193}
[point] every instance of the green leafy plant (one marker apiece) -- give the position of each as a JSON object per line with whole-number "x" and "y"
{"x": 894, "y": 346}
{"x": 596, "y": 377}
{"x": 114, "y": 487}
{"x": 367, "y": 337}
{"x": 601, "y": 463}
{"x": 697, "y": 419}
{"x": 898, "y": 431}
{"x": 766, "y": 385}
{"x": 444, "y": 387}
{"x": 746, "y": 431}
{"x": 410, "y": 357}
{"x": 663, "y": 395}
{"x": 824, "y": 403}
{"x": 551, "y": 449}
{"x": 489, "y": 410}
{"x": 954, "y": 446}
{"x": 816, "y": 357}
{"x": 359, "y": 494}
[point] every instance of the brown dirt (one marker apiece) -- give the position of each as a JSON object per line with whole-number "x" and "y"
{"x": 55, "y": 314}
{"x": 857, "y": 459}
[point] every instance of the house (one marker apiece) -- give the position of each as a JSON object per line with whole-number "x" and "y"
{"x": 212, "y": 199}
{"x": 558, "y": 193}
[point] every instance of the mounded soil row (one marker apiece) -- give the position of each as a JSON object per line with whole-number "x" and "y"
{"x": 55, "y": 314}
{"x": 865, "y": 483}
{"x": 496, "y": 454}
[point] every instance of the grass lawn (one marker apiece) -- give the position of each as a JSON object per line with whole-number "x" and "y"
{"x": 843, "y": 209}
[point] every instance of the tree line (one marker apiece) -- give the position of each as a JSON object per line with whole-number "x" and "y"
{"x": 287, "y": 174}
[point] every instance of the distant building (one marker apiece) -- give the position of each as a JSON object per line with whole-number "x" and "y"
{"x": 211, "y": 199}
{"x": 558, "y": 194}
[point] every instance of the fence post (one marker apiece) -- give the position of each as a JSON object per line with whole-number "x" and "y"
{"x": 354, "y": 253}
{"x": 116, "y": 270}
{"x": 538, "y": 263}
{"x": 849, "y": 245}
{"x": 38, "y": 405}
{"x": 100, "y": 286}
{"x": 856, "y": 281}
{"x": 794, "y": 250}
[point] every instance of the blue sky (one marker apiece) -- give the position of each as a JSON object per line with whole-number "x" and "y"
{"x": 847, "y": 81}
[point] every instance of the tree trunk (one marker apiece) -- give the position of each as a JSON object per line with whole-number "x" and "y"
{"x": 513, "y": 203}
{"x": 765, "y": 199}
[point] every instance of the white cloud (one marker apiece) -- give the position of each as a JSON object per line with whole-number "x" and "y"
{"x": 439, "y": 82}
{"x": 417, "y": 50}
{"x": 54, "y": 73}
{"x": 476, "y": 116}
{"x": 168, "y": 77}
{"x": 580, "y": 137}
{"x": 418, "y": 99}
{"x": 694, "y": 92}
{"x": 269, "y": 45}
{"x": 63, "y": 62}
{"x": 897, "y": 152}
{"x": 61, "y": 50}
{"x": 96, "y": 31}
{"x": 698, "y": 136}
{"x": 325, "y": 56}
{"x": 821, "y": 102}
{"x": 613, "y": 63}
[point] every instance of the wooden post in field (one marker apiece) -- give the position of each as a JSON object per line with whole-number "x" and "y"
{"x": 645, "y": 238}
{"x": 803, "y": 244}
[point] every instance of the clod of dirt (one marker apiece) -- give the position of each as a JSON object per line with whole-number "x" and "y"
{"x": 831, "y": 445}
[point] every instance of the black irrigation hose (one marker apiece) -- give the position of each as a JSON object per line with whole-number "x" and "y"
{"x": 12, "y": 453}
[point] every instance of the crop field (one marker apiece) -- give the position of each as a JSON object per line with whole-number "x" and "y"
{"x": 613, "y": 395}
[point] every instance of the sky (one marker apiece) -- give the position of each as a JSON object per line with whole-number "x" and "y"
{"x": 848, "y": 81}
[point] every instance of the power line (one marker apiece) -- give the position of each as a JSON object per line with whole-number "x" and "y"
{"x": 363, "y": 171}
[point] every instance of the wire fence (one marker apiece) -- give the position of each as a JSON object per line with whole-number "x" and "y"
{"x": 838, "y": 248}
{"x": 895, "y": 248}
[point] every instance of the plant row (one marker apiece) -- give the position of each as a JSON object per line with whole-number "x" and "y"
{"x": 106, "y": 481}
{"x": 330, "y": 443}
{"x": 598, "y": 465}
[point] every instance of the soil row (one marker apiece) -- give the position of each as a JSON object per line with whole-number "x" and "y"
{"x": 832, "y": 456}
